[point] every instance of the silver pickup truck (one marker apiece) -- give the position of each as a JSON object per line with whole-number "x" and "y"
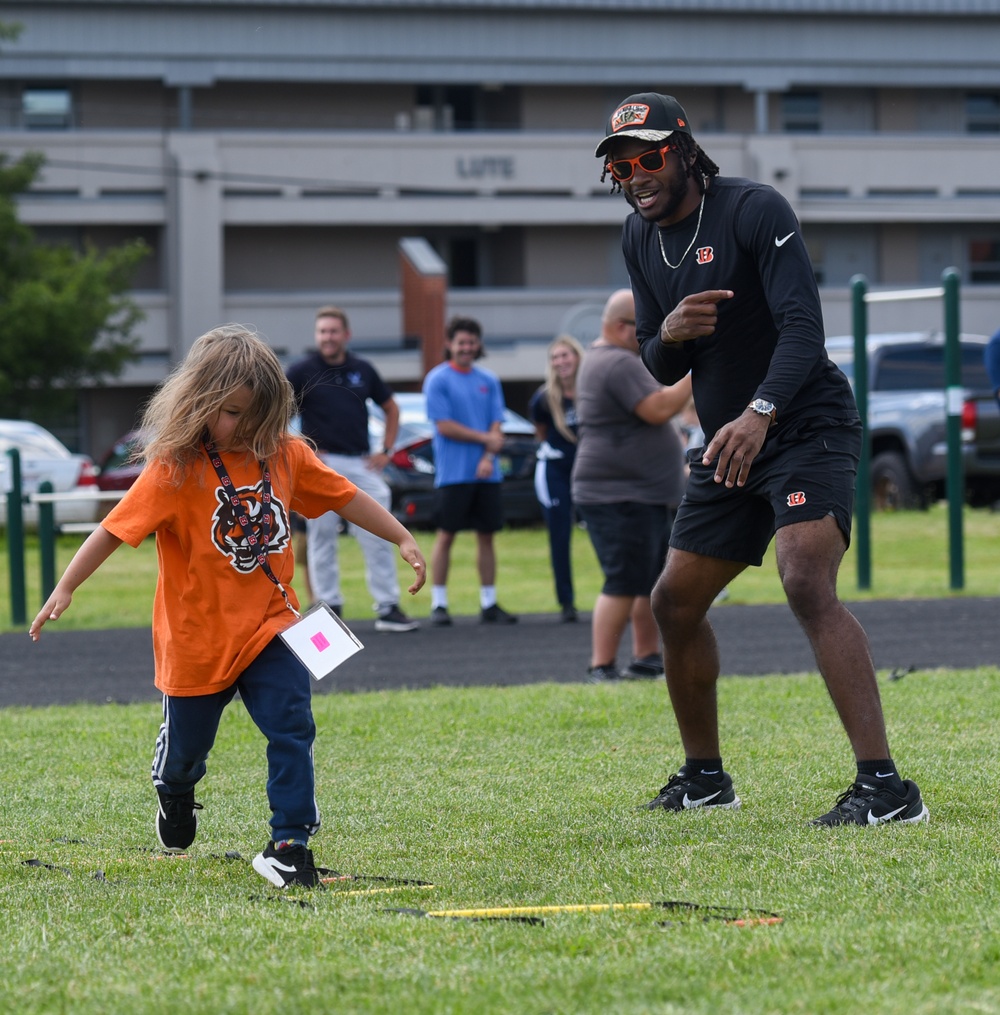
{"x": 907, "y": 418}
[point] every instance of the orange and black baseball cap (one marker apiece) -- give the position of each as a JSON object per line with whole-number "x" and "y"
{"x": 648, "y": 116}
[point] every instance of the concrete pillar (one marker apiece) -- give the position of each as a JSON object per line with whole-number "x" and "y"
{"x": 761, "y": 125}
{"x": 195, "y": 240}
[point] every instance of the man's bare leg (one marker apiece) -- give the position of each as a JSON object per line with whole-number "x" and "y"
{"x": 809, "y": 556}
{"x": 680, "y": 601}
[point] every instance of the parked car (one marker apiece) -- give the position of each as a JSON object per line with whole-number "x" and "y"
{"x": 115, "y": 468}
{"x": 45, "y": 458}
{"x": 907, "y": 416}
{"x": 410, "y": 472}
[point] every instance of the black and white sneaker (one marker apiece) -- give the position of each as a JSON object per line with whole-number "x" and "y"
{"x": 870, "y": 802}
{"x": 685, "y": 792}
{"x": 176, "y": 820}
{"x": 395, "y": 620}
{"x": 645, "y": 667}
{"x": 287, "y": 863}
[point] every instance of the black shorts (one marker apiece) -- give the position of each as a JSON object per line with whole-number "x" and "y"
{"x": 803, "y": 476}
{"x": 630, "y": 541}
{"x": 477, "y": 506}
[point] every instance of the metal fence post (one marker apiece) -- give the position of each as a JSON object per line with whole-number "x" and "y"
{"x": 15, "y": 541}
{"x": 954, "y": 396}
{"x": 47, "y": 541}
{"x": 862, "y": 492}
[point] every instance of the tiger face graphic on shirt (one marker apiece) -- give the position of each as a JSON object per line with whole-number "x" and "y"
{"x": 228, "y": 536}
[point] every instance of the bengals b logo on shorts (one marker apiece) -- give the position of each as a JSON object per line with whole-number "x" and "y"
{"x": 796, "y": 499}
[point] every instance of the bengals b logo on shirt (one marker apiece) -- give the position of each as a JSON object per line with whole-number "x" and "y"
{"x": 228, "y": 536}
{"x": 704, "y": 255}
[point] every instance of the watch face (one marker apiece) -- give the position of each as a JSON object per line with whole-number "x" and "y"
{"x": 764, "y": 408}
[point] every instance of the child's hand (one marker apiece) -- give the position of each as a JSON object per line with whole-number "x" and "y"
{"x": 53, "y": 609}
{"x": 410, "y": 552}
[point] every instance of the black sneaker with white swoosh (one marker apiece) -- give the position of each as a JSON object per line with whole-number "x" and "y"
{"x": 287, "y": 863}
{"x": 869, "y": 801}
{"x": 685, "y": 792}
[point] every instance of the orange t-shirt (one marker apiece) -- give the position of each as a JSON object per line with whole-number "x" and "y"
{"x": 214, "y": 608}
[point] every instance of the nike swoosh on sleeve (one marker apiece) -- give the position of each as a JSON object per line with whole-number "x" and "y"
{"x": 782, "y": 242}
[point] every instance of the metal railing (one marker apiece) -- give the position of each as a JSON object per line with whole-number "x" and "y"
{"x": 48, "y": 530}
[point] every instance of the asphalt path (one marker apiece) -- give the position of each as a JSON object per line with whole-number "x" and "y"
{"x": 66, "y": 667}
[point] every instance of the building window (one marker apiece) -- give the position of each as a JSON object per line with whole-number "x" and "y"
{"x": 46, "y": 108}
{"x": 984, "y": 261}
{"x": 982, "y": 112}
{"x": 800, "y": 112}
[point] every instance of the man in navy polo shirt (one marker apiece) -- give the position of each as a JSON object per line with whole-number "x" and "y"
{"x": 331, "y": 386}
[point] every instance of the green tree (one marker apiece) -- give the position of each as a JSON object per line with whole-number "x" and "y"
{"x": 65, "y": 318}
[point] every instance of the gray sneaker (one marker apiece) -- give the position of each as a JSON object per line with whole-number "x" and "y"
{"x": 645, "y": 667}
{"x": 440, "y": 617}
{"x": 602, "y": 674}
{"x": 496, "y": 615}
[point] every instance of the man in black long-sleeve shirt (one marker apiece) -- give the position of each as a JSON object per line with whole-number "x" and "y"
{"x": 724, "y": 289}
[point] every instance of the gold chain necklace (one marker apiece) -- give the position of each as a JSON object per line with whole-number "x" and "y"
{"x": 697, "y": 229}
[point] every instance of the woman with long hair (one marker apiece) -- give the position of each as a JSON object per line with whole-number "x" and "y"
{"x": 553, "y": 411}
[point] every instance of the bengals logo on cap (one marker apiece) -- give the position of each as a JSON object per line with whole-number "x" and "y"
{"x": 630, "y": 115}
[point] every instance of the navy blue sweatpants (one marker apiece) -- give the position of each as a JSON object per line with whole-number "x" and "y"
{"x": 275, "y": 689}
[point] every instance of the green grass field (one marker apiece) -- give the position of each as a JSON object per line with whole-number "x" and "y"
{"x": 512, "y": 797}
{"x": 910, "y": 559}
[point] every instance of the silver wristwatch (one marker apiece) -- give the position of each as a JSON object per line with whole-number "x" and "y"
{"x": 763, "y": 408}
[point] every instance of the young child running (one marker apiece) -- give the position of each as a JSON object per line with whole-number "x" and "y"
{"x": 219, "y": 425}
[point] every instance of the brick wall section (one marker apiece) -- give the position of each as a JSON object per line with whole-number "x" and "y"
{"x": 424, "y": 297}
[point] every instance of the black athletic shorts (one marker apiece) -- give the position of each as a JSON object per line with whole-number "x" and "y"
{"x": 630, "y": 541}
{"x": 802, "y": 476}
{"x": 477, "y": 506}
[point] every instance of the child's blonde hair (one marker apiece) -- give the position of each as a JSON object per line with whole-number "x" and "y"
{"x": 554, "y": 392}
{"x": 222, "y": 361}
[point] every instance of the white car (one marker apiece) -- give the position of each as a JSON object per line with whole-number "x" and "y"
{"x": 44, "y": 457}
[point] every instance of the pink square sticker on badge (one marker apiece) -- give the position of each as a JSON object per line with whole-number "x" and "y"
{"x": 320, "y": 641}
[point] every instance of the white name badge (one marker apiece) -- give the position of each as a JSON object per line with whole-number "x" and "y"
{"x": 321, "y": 640}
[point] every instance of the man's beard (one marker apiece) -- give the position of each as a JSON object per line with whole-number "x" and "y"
{"x": 676, "y": 193}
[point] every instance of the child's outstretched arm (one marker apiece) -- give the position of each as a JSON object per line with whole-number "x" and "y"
{"x": 96, "y": 549}
{"x": 365, "y": 511}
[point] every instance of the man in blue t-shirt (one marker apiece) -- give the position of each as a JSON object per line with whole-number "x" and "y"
{"x": 465, "y": 404}
{"x": 331, "y": 388}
